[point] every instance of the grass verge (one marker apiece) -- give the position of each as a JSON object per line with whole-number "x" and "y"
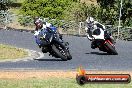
{"x": 9, "y": 52}
{"x": 54, "y": 83}
{"x": 52, "y": 79}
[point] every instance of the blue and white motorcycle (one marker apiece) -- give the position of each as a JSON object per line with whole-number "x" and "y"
{"x": 52, "y": 42}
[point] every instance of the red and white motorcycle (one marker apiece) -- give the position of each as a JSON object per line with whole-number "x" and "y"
{"x": 102, "y": 40}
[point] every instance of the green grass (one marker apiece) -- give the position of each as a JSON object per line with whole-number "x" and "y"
{"x": 9, "y": 52}
{"x": 54, "y": 83}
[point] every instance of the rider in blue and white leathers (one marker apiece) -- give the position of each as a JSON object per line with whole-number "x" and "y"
{"x": 40, "y": 25}
{"x": 43, "y": 27}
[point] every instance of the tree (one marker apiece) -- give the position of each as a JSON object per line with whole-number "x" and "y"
{"x": 127, "y": 13}
{"x": 3, "y": 11}
{"x": 3, "y": 5}
{"x": 110, "y": 11}
{"x": 45, "y": 8}
{"x": 80, "y": 11}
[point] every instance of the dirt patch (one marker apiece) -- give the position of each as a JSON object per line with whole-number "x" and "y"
{"x": 36, "y": 74}
{"x": 43, "y": 74}
{"x": 16, "y": 25}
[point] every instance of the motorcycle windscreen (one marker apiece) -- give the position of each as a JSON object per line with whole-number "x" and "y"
{"x": 46, "y": 38}
{"x": 49, "y": 37}
{"x": 53, "y": 28}
{"x": 96, "y": 32}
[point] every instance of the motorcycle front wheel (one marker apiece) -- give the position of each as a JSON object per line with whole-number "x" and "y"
{"x": 61, "y": 52}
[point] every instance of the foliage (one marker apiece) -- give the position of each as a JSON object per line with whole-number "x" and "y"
{"x": 80, "y": 11}
{"x": 51, "y": 9}
{"x": 73, "y": 12}
{"x": 26, "y": 21}
{"x": 3, "y": 10}
{"x": 45, "y": 8}
{"x": 127, "y": 13}
{"x": 107, "y": 11}
{"x": 56, "y": 22}
{"x": 110, "y": 11}
{"x": 3, "y": 5}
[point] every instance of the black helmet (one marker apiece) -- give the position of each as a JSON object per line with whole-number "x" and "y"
{"x": 38, "y": 22}
{"x": 37, "y": 19}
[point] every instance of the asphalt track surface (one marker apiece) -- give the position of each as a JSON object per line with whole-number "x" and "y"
{"x": 83, "y": 55}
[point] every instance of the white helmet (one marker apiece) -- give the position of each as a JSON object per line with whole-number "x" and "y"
{"x": 90, "y": 20}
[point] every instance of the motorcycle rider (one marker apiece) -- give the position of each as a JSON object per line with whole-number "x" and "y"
{"x": 41, "y": 25}
{"x": 91, "y": 26}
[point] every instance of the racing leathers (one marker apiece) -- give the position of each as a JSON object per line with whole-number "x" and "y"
{"x": 96, "y": 30}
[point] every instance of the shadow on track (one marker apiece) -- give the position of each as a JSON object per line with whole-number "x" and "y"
{"x": 48, "y": 59}
{"x": 97, "y": 53}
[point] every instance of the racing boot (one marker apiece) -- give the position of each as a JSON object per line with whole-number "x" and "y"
{"x": 93, "y": 45}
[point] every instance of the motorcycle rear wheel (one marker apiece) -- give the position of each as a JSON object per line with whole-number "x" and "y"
{"x": 110, "y": 49}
